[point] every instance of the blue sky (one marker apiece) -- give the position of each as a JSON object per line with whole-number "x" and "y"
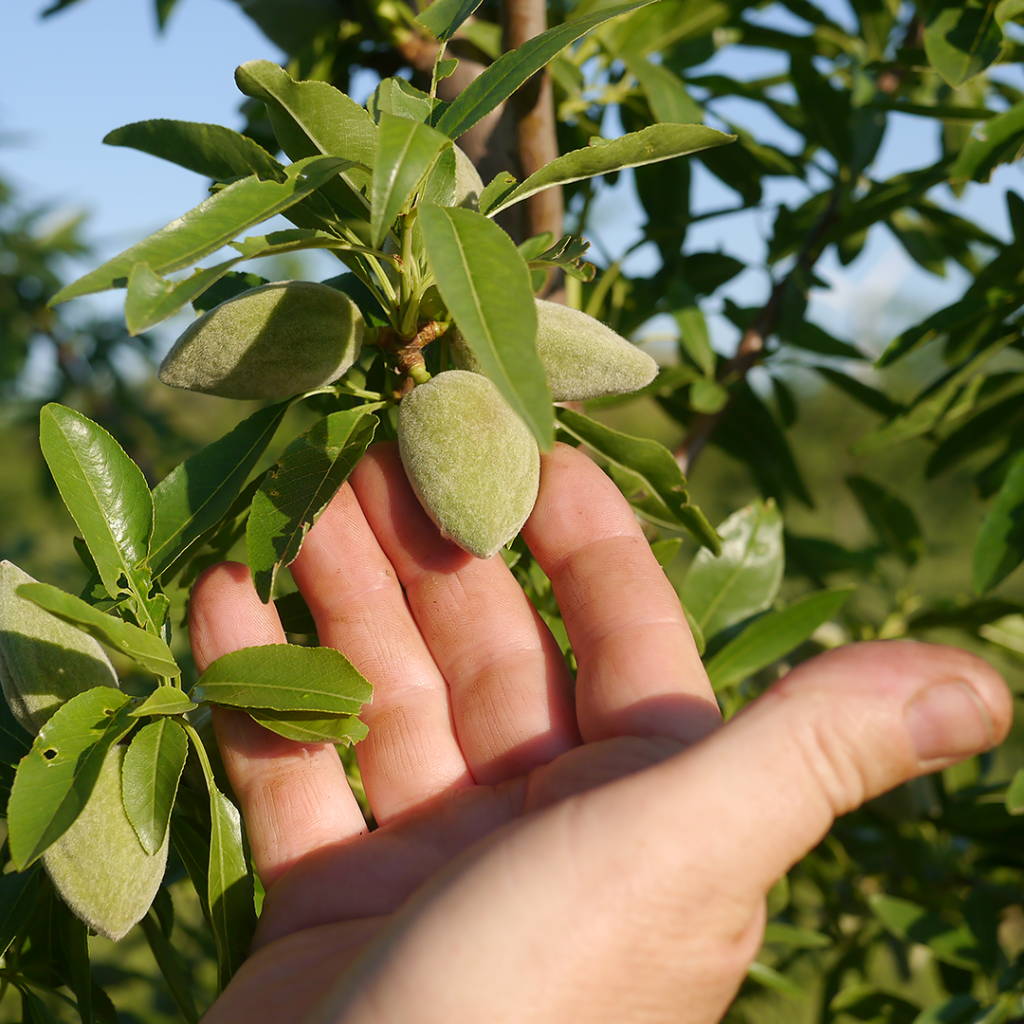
{"x": 67, "y": 80}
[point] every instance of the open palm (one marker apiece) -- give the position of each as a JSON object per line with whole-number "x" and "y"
{"x": 548, "y": 850}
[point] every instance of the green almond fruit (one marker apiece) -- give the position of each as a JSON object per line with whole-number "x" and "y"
{"x": 44, "y": 661}
{"x": 273, "y": 341}
{"x": 472, "y": 462}
{"x": 98, "y": 866}
{"x": 583, "y": 358}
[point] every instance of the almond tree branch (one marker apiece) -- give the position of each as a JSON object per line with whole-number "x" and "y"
{"x": 752, "y": 345}
{"x": 533, "y": 108}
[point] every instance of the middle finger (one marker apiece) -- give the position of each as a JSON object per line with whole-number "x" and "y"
{"x": 510, "y": 689}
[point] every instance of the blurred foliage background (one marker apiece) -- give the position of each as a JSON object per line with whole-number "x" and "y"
{"x": 901, "y": 476}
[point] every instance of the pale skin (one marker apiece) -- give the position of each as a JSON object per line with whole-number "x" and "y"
{"x": 546, "y": 853}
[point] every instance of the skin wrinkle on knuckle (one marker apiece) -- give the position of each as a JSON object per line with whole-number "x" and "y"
{"x": 831, "y": 760}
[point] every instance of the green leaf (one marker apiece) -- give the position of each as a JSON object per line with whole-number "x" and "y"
{"x": 149, "y": 779}
{"x": 486, "y": 286}
{"x": 57, "y": 775}
{"x": 996, "y": 141}
{"x": 298, "y": 489}
{"x": 698, "y": 633}
{"x": 104, "y": 491}
{"x": 401, "y": 98}
{"x": 282, "y": 677}
{"x": 651, "y": 462}
{"x": 772, "y": 636}
{"x": 1014, "y": 794}
{"x": 827, "y": 109}
{"x": 794, "y": 937}
{"x": 694, "y": 339}
{"x": 35, "y": 1010}
{"x": 147, "y": 649}
{"x": 230, "y": 892}
{"x": 312, "y": 727}
{"x": 443, "y": 17}
{"x": 999, "y": 547}
{"x": 749, "y": 433}
{"x": 867, "y": 1003}
{"x": 191, "y": 841}
{"x": 708, "y": 396}
{"x": 208, "y": 149}
{"x": 151, "y": 299}
{"x": 406, "y": 150}
{"x": 313, "y": 117}
{"x": 18, "y": 891}
{"x": 164, "y": 700}
{"x": 893, "y": 520}
{"x": 913, "y": 923}
{"x": 172, "y": 967}
{"x": 868, "y": 396}
{"x": 512, "y": 69}
{"x": 927, "y": 411}
{"x": 196, "y": 494}
{"x": 961, "y": 1008}
{"x": 666, "y": 550}
{"x": 745, "y": 578}
{"x": 73, "y": 936}
{"x": 211, "y": 225}
{"x": 814, "y": 339}
{"x": 774, "y": 980}
{"x": 666, "y": 94}
{"x": 603, "y": 156}
{"x": 961, "y": 40}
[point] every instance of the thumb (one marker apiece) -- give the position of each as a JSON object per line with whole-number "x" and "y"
{"x": 839, "y": 730}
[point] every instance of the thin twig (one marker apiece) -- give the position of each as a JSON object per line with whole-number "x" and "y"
{"x": 752, "y": 345}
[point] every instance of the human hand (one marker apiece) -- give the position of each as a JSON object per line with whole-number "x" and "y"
{"x": 546, "y": 854}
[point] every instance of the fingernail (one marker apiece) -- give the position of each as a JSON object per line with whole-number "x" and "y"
{"x": 949, "y": 720}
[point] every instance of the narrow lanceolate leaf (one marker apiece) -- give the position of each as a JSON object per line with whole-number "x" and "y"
{"x": 212, "y": 224}
{"x": 929, "y": 409}
{"x": 999, "y": 548}
{"x": 996, "y": 141}
{"x": 443, "y": 17}
{"x": 312, "y": 727}
{"x": 147, "y": 649}
{"x": 172, "y": 967}
{"x": 773, "y": 636}
{"x": 17, "y": 896}
{"x": 911, "y": 922}
{"x": 196, "y": 494}
{"x": 666, "y": 93}
{"x": 312, "y": 117}
{"x": 164, "y": 700}
{"x": 486, "y": 285}
{"x": 283, "y": 677}
{"x": 57, "y": 775}
{"x": 230, "y": 892}
{"x": 652, "y": 462}
{"x": 512, "y": 69}
{"x": 298, "y": 488}
{"x": 961, "y": 41}
{"x": 208, "y": 149}
{"x": 745, "y": 578}
{"x": 105, "y": 491}
{"x": 893, "y": 520}
{"x": 149, "y": 779}
{"x": 406, "y": 150}
{"x": 151, "y": 299}
{"x": 654, "y": 143}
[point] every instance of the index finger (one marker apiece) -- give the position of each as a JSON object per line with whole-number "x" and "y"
{"x": 639, "y": 670}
